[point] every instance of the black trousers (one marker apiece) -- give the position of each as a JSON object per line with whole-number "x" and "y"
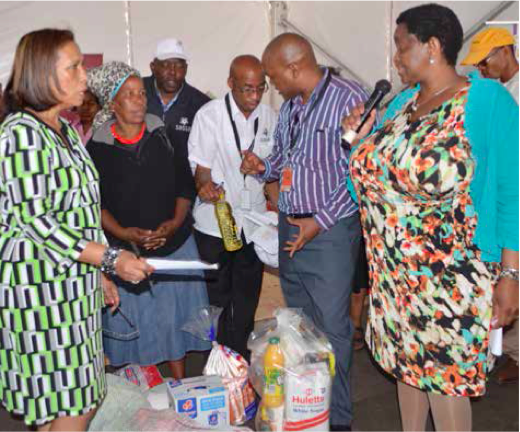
{"x": 235, "y": 287}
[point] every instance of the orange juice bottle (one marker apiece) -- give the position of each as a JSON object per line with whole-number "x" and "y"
{"x": 273, "y": 374}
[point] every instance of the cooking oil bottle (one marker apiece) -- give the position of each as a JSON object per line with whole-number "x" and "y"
{"x": 227, "y": 225}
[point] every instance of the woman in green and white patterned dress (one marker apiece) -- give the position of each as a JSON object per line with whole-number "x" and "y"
{"x": 51, "y": 244}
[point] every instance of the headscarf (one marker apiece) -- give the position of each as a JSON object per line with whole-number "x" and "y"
{"x": 105, "y": 81}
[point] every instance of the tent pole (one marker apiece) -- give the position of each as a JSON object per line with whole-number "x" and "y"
{"x": 489, "y": 16}
{"x": 129, "y": 35}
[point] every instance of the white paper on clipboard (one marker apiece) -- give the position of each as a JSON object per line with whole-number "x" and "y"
{"x": 166, "y": 264}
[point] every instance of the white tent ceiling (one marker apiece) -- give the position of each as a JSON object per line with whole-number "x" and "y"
{"x": 357, "y": 33}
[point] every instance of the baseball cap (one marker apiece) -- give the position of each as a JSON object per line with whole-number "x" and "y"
{"x": 485, "y": 41}
{"x": 170, "y": 48}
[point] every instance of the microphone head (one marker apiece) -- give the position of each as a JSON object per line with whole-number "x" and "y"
{"x": 383, "y": 86}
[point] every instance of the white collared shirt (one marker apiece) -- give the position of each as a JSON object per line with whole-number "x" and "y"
{"x": 512, "y": 86}
{"x": 212, "y": 145}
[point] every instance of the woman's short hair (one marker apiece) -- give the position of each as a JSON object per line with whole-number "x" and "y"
{"x": 34, "y": 73}
{"x": 433, "y": 20}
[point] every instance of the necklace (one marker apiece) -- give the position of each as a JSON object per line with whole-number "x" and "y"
{"x": 416, "y": 106}
{"x": 123, "y": 140}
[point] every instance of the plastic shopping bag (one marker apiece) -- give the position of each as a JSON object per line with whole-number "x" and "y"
{"x": 225, "y": 363}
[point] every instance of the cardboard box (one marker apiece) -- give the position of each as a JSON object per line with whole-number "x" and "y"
{"x": 205, "y": 399}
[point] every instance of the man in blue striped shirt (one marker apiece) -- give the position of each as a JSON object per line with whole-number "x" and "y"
{"x": 319, "y": 228}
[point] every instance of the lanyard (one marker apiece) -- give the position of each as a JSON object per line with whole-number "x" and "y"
{"x": 294, "y": 137}
{"x": 235, "y": 132}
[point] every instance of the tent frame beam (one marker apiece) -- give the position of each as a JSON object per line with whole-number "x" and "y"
{"x": 480, "y": 24}
{"x": 283, "y": 21}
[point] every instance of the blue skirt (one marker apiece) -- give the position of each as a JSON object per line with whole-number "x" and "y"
{"x": 147, "y": 331}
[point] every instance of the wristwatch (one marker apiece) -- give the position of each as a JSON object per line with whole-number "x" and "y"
{"x": 510, "y": 273}
{"x": 109, "y": 259}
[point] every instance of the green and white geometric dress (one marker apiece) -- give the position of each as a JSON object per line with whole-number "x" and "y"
{"x": 51, "y": 353}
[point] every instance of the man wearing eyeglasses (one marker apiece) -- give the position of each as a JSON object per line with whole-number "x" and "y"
{"x": 221, "y": 131}
{"x": 169, "y": 96}
{"x": 492, "y": 52}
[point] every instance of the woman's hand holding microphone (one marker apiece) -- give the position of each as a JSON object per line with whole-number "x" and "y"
{"x": 353, "y": 121}
{"x": 357, "y": 125}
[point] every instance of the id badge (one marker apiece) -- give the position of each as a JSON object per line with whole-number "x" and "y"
{"x": 287, "y": 174}
{"x": 245, "y": 199}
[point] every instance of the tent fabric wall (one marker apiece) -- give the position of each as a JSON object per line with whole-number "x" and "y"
{"x": 354, "y": 32}
{"x": 99, "y": 26}
{"x": 213, "y": 34}
{"x": 358, "y": 33}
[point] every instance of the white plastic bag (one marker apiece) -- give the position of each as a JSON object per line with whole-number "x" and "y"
{"x": 225, "y": 363}
{"x": 265, "y": 236}
{"x": 308, "y": 369}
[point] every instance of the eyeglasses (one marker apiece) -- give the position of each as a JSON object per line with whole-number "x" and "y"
{"x": 483, "y": 63}
{"x": 250, "y": 91}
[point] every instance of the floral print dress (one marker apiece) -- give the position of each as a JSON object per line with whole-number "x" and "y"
{"x": 430, "y": 302}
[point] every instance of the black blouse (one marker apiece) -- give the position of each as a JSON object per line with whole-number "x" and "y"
{"x": 141, "y": 182}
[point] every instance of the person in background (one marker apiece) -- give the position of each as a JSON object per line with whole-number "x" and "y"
{"x": 86, "y": 113}
{"x": 147, "y": 191}
{"x": 169, "y": 96}
{"x": 52, "y": 367}
{"x": 357, "y": 299}
{"x": 319, "y": 229}
{"x": 492, "y": 52}
{"x": 222, "y": 130}
{"x": 82, "y": 117}
{"x": 437, "y": 184}
{"x": 360, "y": 285}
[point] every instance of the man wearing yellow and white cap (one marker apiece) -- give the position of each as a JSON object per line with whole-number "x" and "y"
{"x": 492, "y": 52}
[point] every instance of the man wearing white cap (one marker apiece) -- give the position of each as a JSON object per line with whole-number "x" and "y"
{"x": 170, "y": 97}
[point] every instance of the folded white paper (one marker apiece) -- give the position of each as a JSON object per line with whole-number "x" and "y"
{"x": 166, "y": 264}
{"x": 495, "y": 342}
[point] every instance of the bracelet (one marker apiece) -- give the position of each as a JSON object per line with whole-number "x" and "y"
{"x": 510, "y": 273}
{"x": 109, "y": 259}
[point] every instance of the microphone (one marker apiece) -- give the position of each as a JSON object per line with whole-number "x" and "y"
{"x": 381, "y": 89}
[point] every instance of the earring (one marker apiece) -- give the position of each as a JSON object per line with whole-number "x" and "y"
{"x": 432, "y": 61}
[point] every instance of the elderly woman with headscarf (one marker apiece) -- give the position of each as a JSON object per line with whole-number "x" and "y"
{"x": 146, "y": 190}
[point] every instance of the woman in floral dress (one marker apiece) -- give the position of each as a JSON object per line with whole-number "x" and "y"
{"x": 438, "y": 190}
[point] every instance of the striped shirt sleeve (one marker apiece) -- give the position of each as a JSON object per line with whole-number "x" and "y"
{"x": 340, "y": 201}
{"x": 274, "y": 162}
